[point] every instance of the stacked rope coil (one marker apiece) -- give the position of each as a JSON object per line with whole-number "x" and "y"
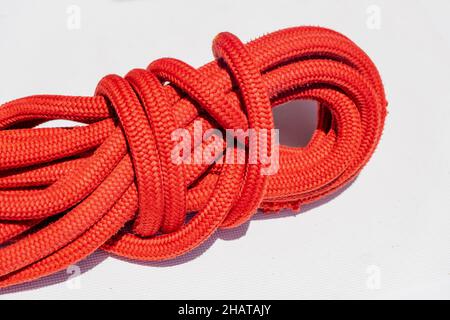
{"x": 111, "y": 184}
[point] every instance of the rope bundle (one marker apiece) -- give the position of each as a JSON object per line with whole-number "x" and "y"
{"x": 65, "y": 192}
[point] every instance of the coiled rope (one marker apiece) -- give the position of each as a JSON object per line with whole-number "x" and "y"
{"x": 65, "y": 192}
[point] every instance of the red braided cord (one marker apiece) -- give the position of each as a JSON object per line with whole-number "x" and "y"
{"x": 111, "y": 184}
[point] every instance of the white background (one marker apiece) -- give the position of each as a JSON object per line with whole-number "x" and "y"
{"x": 386, "y": 236}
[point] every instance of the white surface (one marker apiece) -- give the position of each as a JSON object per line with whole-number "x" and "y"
{"x": 392, "y": 224}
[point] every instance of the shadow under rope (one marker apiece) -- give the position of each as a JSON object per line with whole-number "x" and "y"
{"x": 296, "y": 120}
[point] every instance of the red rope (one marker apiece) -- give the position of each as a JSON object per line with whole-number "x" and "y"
{"x": 112, "y": 184}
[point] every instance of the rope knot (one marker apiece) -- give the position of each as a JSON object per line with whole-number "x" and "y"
{"x": 147, "y": 122}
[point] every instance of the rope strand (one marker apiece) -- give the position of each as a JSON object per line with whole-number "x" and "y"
{"x": 66, "y": 192}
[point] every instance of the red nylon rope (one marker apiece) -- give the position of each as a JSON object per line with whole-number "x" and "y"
{"x": 65, "y": 192}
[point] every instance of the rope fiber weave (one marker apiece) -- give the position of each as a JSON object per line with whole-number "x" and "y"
{"x": 111, "y": 184}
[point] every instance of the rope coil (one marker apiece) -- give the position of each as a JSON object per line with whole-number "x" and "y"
{"x": 65, "y": 192}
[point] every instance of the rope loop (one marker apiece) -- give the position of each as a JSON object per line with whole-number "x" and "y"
{"x": 114, "y": 183}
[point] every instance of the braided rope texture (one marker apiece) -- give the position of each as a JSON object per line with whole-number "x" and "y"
{"x": 110, "y": 184}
